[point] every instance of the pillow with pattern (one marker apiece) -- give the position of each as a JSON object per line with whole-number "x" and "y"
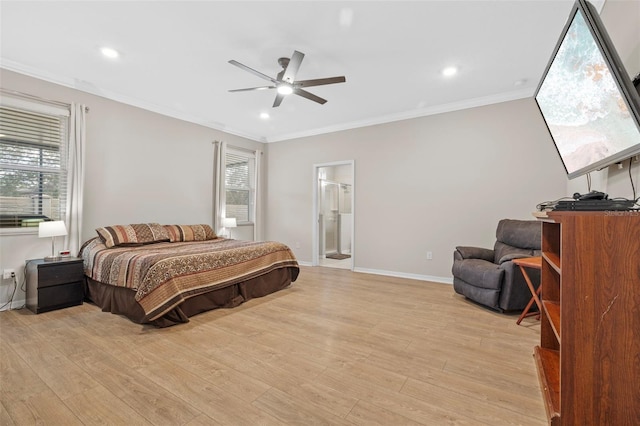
{"x": 178, "y": 233}
{"x": 132, "y": 235}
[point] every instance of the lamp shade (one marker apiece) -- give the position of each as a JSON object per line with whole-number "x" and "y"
{"x": 229, "y": 222}
{"x": 55, "y": 228}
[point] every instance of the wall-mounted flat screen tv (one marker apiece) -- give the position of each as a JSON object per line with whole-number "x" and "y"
{"x": 586, "y": 97}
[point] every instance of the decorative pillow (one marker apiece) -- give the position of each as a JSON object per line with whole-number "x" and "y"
{"x": 179, "y": 233}
{"x": 133, "y": 235}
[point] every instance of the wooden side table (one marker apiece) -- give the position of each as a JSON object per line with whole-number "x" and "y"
{"x": 533, "y": 263}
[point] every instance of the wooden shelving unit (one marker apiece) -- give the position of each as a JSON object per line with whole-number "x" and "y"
{"x": 589, "y": 348}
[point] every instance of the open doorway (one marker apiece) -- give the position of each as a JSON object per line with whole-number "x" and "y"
{"x": 333, "y": 219}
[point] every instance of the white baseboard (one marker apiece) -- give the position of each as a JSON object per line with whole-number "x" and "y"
{"x": 431, "y": 278}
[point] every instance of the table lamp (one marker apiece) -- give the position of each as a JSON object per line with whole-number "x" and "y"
{"x": 228, "y": 223}
{"x": 52, "y": 229}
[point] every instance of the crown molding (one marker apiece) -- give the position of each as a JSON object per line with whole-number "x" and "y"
{"x": 118, "y": 97}
{"x": 87, "y": 87}
{"x": 407, "y": 115}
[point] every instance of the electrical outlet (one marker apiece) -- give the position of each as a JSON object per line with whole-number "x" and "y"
{"x": 429, "y": 255}
{"x": 7, "y": 274}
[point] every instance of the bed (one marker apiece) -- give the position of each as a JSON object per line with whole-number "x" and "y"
{"x": 164, "y": 274}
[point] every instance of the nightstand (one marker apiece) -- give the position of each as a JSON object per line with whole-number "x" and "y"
{"x": 54, "y": 285}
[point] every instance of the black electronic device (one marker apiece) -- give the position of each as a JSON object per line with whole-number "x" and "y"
{"x": 593, "y": 195}
{"x": 586, "y": 97}
{"x": 595, "y": 205}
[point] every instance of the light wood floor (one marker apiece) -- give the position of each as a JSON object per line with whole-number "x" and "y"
{"x": 336, "y": 348}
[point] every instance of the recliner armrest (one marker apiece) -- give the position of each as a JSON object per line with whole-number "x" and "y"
{"x": 509, "y": 257}
{"x": 463, "y": 252}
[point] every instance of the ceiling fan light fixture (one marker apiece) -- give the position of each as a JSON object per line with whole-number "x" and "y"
{"x": 110, "y": 52}
{"x": 285, "y": 82}
{"x": 450, "y": 71}
{"x": 285, "y": 89}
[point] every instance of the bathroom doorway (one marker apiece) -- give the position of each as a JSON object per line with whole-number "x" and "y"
{"x": 333, "y": 215}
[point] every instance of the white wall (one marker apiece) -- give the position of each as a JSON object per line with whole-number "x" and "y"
{"x": 447, "y": 179}
{"x": 621, "y": 17}
{"x": 140, "y": 167}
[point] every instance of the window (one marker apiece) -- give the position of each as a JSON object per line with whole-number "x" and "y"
{"x": 240, "y": 184}
{"x": 33, "y": 166}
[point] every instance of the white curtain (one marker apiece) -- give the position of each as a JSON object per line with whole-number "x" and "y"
{"x": 219, "y": 154}
{"x": 256, "y": 197}
{"x": 75, "y": 177}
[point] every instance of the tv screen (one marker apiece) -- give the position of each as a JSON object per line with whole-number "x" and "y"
{"x": 586, "y": 97}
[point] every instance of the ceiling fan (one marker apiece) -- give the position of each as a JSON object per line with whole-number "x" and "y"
{"x": 285, "y": 82}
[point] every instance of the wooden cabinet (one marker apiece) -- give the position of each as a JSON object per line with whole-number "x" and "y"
{"x": 589, "y": 355}
{"x": 54, "y": 285}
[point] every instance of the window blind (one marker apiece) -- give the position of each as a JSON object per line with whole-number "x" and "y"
{"x": 239, "y": 177}
{"x": 33, "y": 173}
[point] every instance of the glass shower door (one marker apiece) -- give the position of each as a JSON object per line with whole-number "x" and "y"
{"x": 330, "y": 210}
{"x": 335, "y": 220}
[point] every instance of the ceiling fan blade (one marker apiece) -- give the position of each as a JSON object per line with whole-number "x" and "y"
{"x": 252, "y": 71}
{"x": 292, "y": 69}
{"x": 320, "y": 81}
{"x": 309, "y": 96}
{"x": 253, "y": 88}
{"x": 278, "y": 100}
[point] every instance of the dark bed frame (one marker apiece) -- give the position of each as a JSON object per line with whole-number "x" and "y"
{"x": 121, "y": 300}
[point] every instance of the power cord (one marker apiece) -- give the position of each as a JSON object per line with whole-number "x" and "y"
{"x": 549, "y": 205}
{"x": 633, "y": 186}
{"x": 15, "y": 288}
{"x": 23, "y": 287}
{"x": 13, "y": 293}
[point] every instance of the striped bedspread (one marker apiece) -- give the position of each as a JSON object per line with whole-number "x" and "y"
{"x": 165, "y": 274}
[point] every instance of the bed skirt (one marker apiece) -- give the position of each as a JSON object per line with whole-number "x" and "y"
{"x": 121, "y": 300}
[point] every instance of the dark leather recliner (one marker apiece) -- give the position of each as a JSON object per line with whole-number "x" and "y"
{"x": 489, "y": 277}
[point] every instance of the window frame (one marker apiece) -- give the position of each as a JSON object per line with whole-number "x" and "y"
{"x": 250, "y": 156}
{"x": 61, "y": 113}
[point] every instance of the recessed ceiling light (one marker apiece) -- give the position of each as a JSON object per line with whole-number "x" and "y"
{"x": 264, "y": 115}
{"x": 110, "y": 52}
{"x": 346, "y": 17}
{"x": 449, "y": 71}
